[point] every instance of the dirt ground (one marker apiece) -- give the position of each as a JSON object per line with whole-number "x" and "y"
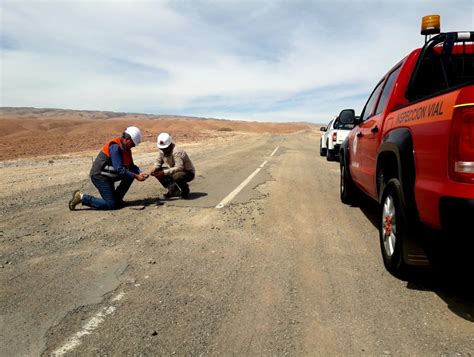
{"x": 45, "y": 274}
{"x": 284, "y": 269}
{"x": 29, "y": 132}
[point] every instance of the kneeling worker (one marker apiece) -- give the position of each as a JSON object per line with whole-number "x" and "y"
{"x": 179, "y": 168}
{"x": 113, "y": 163}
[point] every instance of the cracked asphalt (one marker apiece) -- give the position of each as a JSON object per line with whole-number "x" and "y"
{"x": 284, "y": 269}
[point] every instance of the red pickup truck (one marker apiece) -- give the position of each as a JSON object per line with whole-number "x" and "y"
{"x": 412, "y": 150}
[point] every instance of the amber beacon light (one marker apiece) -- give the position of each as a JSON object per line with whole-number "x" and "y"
{"x": 430, "y": 25}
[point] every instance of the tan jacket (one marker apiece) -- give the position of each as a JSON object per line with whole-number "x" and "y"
{"x": 177, "y": 161}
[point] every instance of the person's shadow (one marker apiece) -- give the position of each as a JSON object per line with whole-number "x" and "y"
{"x": 450, "y": 274}
{"x": 192, "y": 196}
{"x": 142, "y": 203}
{"x": 159, "y": 201}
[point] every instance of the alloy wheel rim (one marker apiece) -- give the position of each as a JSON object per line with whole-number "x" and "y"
{"x": 389, "y": 226}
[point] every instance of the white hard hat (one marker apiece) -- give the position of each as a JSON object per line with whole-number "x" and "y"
{"x": 135, "y": 134}
{"x": 163, "y": 140}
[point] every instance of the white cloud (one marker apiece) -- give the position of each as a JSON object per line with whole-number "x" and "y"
{"x": 265, "y": 60}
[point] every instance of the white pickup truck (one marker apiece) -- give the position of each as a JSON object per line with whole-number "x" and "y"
{"x": 331, "y": 140}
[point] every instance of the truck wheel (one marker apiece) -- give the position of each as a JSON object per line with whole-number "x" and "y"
{"x": 329, "y": 154}
{"x": 322, "y": 151}
{"x": 348, "y": 191}
{"x": 394, "y": 228}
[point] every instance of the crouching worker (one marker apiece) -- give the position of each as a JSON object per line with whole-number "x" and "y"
{"x": 179, "y": 169}
{"x": 113, "y": 163}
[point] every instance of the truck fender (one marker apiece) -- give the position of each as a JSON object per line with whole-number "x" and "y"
{"x": 344, "y": 148}
{"x": 395, "y": 159}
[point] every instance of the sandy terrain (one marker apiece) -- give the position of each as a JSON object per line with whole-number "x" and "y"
{"x": 29, "y": 132}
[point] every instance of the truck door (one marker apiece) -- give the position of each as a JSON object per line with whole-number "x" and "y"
{"x": 364, "y": 142}
{"x": 370, "y": 132}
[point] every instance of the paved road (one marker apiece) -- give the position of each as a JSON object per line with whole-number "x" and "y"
{"x": 283, "y": 269}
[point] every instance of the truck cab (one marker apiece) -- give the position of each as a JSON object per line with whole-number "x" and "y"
{"x": 412, "y": 149}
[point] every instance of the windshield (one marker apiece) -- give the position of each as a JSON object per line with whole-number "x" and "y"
{"x": 339, "y": 125}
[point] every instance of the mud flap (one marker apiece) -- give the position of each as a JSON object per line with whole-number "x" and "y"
{"x": 413, "y": 251}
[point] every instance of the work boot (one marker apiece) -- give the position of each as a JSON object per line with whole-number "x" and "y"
{"x": 173, "y": 191}
{"x": 75, "y": 200}
{"x": 185, "y": 191}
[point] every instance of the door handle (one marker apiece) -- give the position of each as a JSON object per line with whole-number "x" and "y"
{"x": 375, "y": 129}
{"x": 359, "y": 134}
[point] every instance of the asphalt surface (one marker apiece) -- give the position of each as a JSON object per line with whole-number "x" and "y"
{"x": 283, "y": 269}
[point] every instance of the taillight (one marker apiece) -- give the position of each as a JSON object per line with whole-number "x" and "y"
{"x": 334, "y": 136}
{"x": 461, "y": 156}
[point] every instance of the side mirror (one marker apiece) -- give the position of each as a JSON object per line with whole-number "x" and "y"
{"x": 347, "y": 116}
{"x": 323, "y": 128}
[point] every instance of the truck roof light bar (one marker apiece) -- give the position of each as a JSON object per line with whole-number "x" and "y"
{"x": 430, "y": 25}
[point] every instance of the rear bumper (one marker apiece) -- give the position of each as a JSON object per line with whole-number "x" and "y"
{"x": 453, "y": 244}
{"x": 457, "y": 215}
{"x": 336, "y": 148}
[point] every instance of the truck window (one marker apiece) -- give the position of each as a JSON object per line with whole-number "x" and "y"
{"x": 338, "y": 125}
{"x": 442, "y": 67}
{"x": 369, "y": 107}
{"x": 387, "y": 90}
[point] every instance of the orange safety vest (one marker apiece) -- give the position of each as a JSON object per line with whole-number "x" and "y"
{"x": 127, "y": 158}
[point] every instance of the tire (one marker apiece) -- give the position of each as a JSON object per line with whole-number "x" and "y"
{"x": 330, "y": 156}
{"x": 322, "y": 151}
{"x": 395, "y": 228}
{"x": 349, "y": 193}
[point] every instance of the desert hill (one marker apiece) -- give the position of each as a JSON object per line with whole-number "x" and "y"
{"x": 30, "y": 132}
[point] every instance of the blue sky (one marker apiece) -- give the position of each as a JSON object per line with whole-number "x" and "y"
{"x": 248, "y": 60}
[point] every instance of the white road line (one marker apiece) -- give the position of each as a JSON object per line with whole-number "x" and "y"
{"x": 239, "y": 188}
{"x": 94, "y": 322}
